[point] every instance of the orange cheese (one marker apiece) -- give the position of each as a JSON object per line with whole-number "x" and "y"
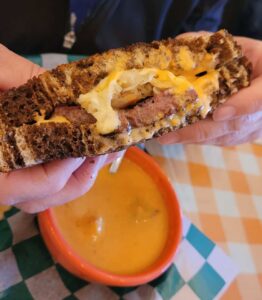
{"x": 40, "y": 118}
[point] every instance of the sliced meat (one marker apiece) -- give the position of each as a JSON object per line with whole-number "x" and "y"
{"x": 142, "y": 114}
{"x": 75, "y": 114}
{"x": 153, "y": 109}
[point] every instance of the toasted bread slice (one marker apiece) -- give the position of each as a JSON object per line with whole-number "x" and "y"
{"x": 109, "y": 101}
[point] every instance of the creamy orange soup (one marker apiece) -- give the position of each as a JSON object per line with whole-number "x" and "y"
{"x": 121, "y": 224}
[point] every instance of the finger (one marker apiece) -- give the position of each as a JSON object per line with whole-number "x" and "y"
{"x": 194, "y": 34}
{"x": 236, "y": 138}
{"x": 246, "y": 101}
{"x": 37, "y": 182}
{"x": 198, "y": 132}
{"x": 79, "y": 183}
{"x": 15, "y": 70}
{"x": 207, "y": 129}
{"x": 238, "y": 128}
{"x": 41, "y": 181}
{"x": 87, "y": 173}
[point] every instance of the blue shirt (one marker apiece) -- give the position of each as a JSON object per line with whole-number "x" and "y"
{"x": 129, "y": 21}
{"x": 41, "y": 26}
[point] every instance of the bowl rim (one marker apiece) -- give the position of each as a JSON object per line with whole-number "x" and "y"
{"x": 77, "y": 265}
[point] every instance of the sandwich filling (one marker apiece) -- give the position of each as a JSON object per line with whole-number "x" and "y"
{"x": 138, "y": 98}
{"x": 123, "y": 90}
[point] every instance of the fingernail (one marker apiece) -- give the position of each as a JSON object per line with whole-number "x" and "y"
{"x": 171, "y": 138}
{"x": 224, "y": 113}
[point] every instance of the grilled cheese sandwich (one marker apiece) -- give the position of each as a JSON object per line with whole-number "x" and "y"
{"x": 109, "y": 101}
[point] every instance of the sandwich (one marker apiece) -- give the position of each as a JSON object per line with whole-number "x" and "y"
{"x": 109, "y": 101}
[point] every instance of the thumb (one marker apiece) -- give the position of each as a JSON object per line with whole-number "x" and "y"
{"x": 193, "y": 34}
{"x": 15, "y": 70}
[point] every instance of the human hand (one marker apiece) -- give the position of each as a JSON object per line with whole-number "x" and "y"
{"x": 37, "y": 188}
{"x": 239, "y": 119}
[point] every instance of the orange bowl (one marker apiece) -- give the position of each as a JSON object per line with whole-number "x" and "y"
{"x": 70, "y": 260}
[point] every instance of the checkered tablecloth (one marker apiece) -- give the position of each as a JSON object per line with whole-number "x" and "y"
{"x": 220, "y": 190}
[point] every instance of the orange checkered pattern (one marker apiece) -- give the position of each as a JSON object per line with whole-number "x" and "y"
{"x": 220, "y": 190}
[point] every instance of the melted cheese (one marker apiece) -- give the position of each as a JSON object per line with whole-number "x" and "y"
{"x": 121, "y": 83}
{"x": 185, "y": 59}
{"x": 188, "y": 63}
{"x": 123, "y": 86}
{"x": 204, "y": 87}
{"x": 98, "y": 101}
{"x": 40, "y": 118}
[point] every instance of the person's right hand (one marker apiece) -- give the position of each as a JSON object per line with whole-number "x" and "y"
{"x": 239, "y": 119}
{"x": 37, "y": 188}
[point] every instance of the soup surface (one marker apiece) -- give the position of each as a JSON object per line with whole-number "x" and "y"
{"x": 121, "y": 224}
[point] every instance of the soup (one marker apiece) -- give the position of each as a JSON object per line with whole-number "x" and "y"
{"x": 121, "y": 224}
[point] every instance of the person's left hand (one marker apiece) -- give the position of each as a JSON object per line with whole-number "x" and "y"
{"x": 40, "y": 187}
{"x": 239, "y": 119}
